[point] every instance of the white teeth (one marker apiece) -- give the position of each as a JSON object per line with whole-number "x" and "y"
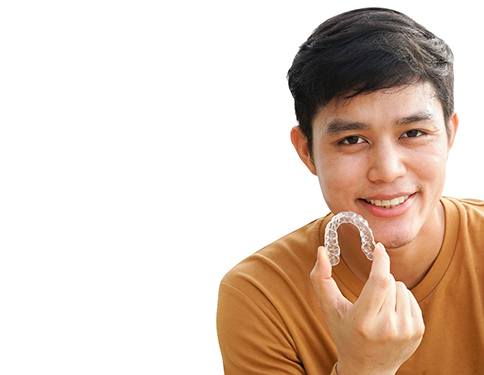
{"x": 388, "y": 203}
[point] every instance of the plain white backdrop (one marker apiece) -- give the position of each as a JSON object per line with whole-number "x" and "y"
{"x": 144, "y": 151}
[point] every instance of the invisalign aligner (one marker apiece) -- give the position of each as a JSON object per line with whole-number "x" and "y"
{"x": 331, "y": 235}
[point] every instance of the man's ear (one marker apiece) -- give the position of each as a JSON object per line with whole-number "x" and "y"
{"x": 452, "y": 126}
{"x": 300, "y": 142}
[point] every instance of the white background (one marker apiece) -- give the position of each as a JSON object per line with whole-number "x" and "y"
{"x": 144, "y": 151}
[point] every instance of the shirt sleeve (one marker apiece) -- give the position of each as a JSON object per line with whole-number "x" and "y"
{"x": 253, "y": 338}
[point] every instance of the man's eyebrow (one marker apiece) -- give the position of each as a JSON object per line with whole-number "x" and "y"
{"x": 416, "y": 117}
{"x": 338, "y": 125}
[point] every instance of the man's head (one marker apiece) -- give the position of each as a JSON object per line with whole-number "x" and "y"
{"x": 362, "y": 51}
{"x": 374, "y": 101}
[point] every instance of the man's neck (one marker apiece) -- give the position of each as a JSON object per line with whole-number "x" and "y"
{"x": 409, "y": 263}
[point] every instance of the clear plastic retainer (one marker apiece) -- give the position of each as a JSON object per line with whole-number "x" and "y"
{"x": 331, "y": 235}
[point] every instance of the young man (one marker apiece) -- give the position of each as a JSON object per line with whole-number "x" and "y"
{"x": 373, "y": 94}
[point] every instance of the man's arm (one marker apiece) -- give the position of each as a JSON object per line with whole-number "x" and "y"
{"x": 253, "y": 338}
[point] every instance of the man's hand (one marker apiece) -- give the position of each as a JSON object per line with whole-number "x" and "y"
{"x": 381, "y": 330}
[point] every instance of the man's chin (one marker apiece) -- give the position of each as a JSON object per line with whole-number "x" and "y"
{"x": 395, "y": 243}
{"x": 394, "y": 240}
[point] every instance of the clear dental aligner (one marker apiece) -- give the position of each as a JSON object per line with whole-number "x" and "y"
{"x": 331, "y": 235}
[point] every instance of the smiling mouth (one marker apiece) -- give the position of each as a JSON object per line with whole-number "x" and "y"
{"x": 392, "y": 203}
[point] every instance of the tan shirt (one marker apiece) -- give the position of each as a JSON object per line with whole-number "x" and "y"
{"x": 269, "y": 321}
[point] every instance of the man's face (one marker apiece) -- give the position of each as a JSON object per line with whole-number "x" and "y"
{"x": 383, "y": 155}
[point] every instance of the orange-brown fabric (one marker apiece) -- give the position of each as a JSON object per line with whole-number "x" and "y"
{"x": 269, "y": 321}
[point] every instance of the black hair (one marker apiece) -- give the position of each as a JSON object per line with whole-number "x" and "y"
{"x": 362, "y": 51}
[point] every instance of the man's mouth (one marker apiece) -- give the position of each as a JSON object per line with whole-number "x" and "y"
{"x": 388, "y": 203}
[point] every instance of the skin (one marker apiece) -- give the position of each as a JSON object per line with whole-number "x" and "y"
{"x": 380, "y": 145}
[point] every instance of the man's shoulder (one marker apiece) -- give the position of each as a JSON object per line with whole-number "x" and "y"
{"x": 285, "y": 257}
{"x": 473, "y": 208}
{"x": 469, "y": 213}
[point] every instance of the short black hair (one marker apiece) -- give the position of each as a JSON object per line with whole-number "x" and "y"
{"x": 362, "y": 51}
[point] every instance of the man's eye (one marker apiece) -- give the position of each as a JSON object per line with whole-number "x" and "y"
{"x": 413, "y": 133}
{"x": 351, "y": 140}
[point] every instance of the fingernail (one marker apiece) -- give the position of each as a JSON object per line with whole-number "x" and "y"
{"x": 320, "y": 252}
{"x": 323, "y": 253}
{"x": 378, "y": 247}
{"x": 382, "y": 249}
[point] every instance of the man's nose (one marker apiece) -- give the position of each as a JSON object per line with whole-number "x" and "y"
{"x": 386, "y": 162}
